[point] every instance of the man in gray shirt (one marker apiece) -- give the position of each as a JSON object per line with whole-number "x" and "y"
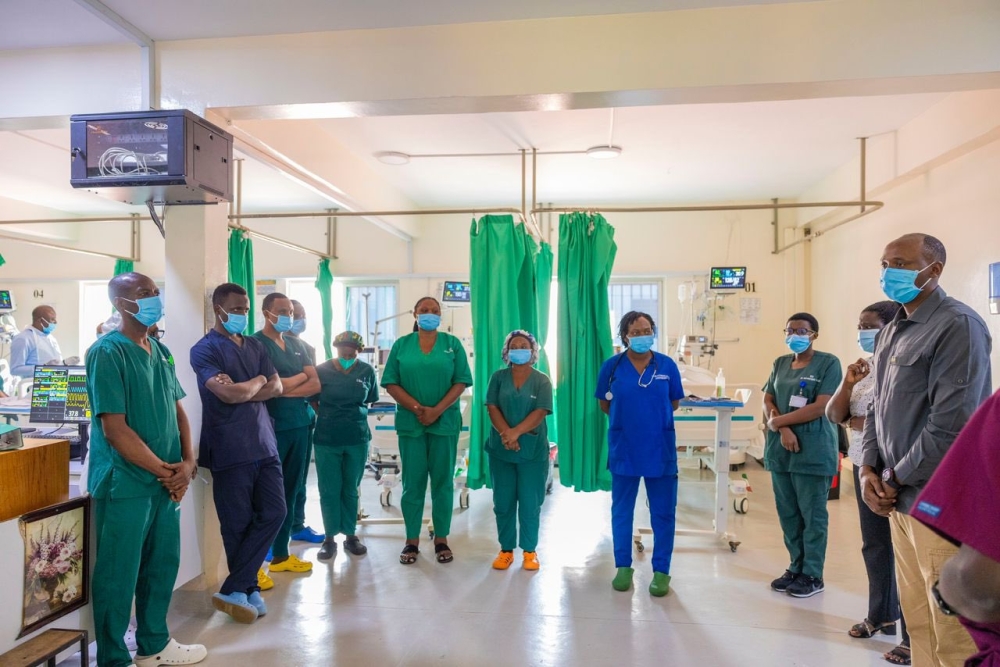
{"x": 932, "y": 370}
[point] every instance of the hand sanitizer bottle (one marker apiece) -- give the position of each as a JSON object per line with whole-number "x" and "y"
{"x": 720, "y": 385}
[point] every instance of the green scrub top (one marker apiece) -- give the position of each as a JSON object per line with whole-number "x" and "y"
{"x": 343, "y": 404}
{"x": 818, "y": 438}
{"x": 515, "y": 405}
{"x": 312, "y": 355}
{"x": 427, "y": 378}
{"x": 287, "y": 413}
{"x": 123, "y": 379}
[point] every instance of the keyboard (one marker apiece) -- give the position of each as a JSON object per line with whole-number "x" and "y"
{"x": 73, "y": 439}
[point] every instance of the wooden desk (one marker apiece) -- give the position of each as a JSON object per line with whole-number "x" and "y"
{"x": 33, "y": 477}
{"x": 45, "y": 647}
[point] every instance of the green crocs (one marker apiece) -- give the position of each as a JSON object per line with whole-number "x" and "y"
{"x": 660, "y": 585}
{"x": 623, "y": 580}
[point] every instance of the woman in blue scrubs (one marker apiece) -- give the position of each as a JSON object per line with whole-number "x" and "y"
{"x": 639, "y": 390}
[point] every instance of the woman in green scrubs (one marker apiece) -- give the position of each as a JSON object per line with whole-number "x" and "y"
{"x": 347, "y": 388}
{"x": 801, "y": 452}
{"x": 519, "y": 399}
{"x": 426, "y": 373}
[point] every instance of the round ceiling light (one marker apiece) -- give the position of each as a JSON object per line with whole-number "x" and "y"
{"x": 604, "y": 152}
{"x": 392, "y": 157}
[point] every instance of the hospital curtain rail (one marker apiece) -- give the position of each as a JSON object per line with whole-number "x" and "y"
{"x": 504, "y": 297}
{"x": 241, "y": 270}
{"x": 586, "y": 257}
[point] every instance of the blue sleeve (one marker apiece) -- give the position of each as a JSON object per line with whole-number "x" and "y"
{"x": 19, "y": 354}
{"x": 604, "y": 379}
{"x": 676, "y": 386}
{"x": 204, "y": 362}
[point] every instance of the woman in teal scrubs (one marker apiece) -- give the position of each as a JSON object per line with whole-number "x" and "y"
{"x": 426, "y": 373}
{"x": 519, "y": 399}
{"x": 347, "y": 388}
{"x": 639, "y": 390}
{"x": 801, "y": 452}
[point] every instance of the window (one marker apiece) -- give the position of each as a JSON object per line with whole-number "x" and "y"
{"x": 304, "y": 291}
{"x": 366, "y": 305}
{"x": 625, "y": 297}
{"x": 95, "y": 308}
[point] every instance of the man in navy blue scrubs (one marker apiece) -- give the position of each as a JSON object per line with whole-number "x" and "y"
{"x": 235, "y": 378}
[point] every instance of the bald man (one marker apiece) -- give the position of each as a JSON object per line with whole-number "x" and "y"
{"x": 141, "y": 462}
{"x": 932, "y": 371}
{"x": 36, "y": 346}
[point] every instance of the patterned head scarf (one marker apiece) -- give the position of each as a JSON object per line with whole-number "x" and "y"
{"x": 520, "y": 333}
{"x": 349, "y": 338}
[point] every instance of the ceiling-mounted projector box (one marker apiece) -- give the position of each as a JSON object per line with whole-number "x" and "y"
{"x": 164, "y": 157}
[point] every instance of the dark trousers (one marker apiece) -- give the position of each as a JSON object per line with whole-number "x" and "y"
{"x": 250, "y": 502}
{"x": 876, "y": 548}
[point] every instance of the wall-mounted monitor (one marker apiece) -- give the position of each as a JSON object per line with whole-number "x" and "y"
{"x": 456, "y": 292}
{"x": 6, "y": 301}
{"x": 728, "y": 277}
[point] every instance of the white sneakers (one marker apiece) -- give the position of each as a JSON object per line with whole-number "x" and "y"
{"x": 174, "y": 654}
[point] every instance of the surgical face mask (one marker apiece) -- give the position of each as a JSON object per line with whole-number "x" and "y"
{"x": 428, "y": 321}
{"x": 798, "y": 344}
{"x": 299, "y": 326}
{"x": 283, "y": 323}
{"x": 49, "y": 327}
{"x": 235, "y": 323}
{"x": 866, "y": 339}
{"x": 150, "y": 310}
{"x": 900, "y": 285}
{"x": 347, "y": 363}
{"x": 519, "y": 357}
{"x": 641, "y": 344}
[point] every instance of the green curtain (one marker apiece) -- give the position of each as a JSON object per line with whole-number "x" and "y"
{"x": 2, "y": 260}
{"x": 124, "y": 266}
{"x": 324, "y": 283}
{"x": 241, "y": 270}
{"x": 504, "y": 297}
{"x": 586, "y": 256}
{"x": 543, "y": 282}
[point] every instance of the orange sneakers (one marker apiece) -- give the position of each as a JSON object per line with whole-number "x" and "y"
{"x": 504, "y": 560}
{"x": 531, "y": 561}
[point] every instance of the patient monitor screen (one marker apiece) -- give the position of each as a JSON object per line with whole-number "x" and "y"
{"x": 59, "y": 395}
{"x": 728, "y": 277}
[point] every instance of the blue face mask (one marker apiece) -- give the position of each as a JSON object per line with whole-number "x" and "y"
{"x": 347, "y": 363}
{"x": 900, "y": 285}
{"x": 641, "y": 344}
{"x": 283, "y": 324}
{"x": 428, "y": 321}
{"x": 798, "y": 344}
{"x": 150, "y": 310}
{"x": 866, "y": 339}
{"x": 519, "y": 357}
{"x": 298, "y": 326}
{"x": 49, "y": 328}
{"x": 235, "y": 323}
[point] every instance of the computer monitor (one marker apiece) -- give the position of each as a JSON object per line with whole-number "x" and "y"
{"x": 728, "y": 277}
{"x": 456, "y": 292}
{"x": 6, "y": 301}
{"x": 59, "y": 395}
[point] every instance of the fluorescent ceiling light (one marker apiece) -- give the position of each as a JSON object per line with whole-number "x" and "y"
{"x": 604, "y": 152}
{"x": 392, "y": 157}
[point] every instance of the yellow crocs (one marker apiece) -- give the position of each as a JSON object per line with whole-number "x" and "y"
{"x": 264, "y": 582}
{"x": 504, "y": 560}
{"x": 292, "y": 564}
{"x": 531, "y": 561}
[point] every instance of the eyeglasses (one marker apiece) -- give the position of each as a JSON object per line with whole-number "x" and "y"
{"x": 799, "y": 332}
{"x": 158, "y": 334}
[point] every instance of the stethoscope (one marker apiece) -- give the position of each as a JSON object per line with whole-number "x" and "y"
{"x": 614, "y": 369}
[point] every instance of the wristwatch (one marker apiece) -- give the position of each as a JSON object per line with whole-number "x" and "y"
{"x": 942, "y": 605}
{"x": 889, "y": 477}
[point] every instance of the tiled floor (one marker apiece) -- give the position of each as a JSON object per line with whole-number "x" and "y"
{"x": 373, "y": 611}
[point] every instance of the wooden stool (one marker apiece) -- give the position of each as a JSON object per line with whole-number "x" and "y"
{"x": 45, "y": 647}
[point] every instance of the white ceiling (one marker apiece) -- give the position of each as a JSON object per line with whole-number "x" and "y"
{"x": 683, "y": 153}
{"x": 50, "y": 23}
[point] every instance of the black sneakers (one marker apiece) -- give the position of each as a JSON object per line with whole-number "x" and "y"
{"x": 805, "y": 587}
{"x": 782, "y": 583}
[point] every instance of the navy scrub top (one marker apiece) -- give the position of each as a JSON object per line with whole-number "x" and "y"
{"x": 641, "y": 437}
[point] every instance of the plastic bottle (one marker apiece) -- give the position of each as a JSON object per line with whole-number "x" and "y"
{"x": 720, "y": 385}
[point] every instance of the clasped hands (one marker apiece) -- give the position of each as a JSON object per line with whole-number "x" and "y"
{"x": 788, "y": 438}
{"x": 510, "y": 438}
{"x": 427, "y": 416}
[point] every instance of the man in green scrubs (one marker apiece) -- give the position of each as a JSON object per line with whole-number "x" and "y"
{"x": 300, "y": 531}
{"x": 141, "y": 462}
{"x": 426, "y": 373}
{"x": 342, "y": 436}
{"x": 290, "y": 414}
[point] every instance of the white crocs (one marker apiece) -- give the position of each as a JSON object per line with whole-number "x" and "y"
{"x": 174, "y": 654}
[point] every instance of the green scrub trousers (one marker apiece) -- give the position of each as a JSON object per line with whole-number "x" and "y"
{"x": 801, "y": 502}
{"x": 421, "y": 456}
{"x": 293, "y": 448}
{"x": 518, "y": 494}
{"x": 138, "y": 550}
{"x": 339, "y": 471}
